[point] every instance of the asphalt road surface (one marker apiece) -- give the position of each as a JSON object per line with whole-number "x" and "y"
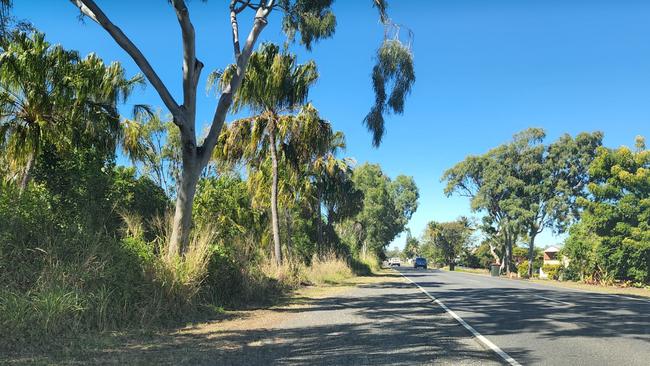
{"x": 385, "y": 323}
{"x": 541, "y": 325}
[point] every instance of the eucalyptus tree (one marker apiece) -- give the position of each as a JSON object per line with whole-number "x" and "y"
{"x": 313, "y": 20}
{"x": 444, "y": 241}
{"x": 383, "y": 213}
{"x": 555, "y": 177}
{"x": 524, "y": 186}
{"x": 488, "y": 182}
{"x": 50, "y": 95}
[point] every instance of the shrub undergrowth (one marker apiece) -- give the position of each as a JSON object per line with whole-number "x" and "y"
{"x": 60, "y": 281}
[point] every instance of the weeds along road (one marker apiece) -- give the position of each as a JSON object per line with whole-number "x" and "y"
{"x": 537, "y": 324}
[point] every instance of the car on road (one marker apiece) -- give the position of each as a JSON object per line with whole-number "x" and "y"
{"x": 420, "y": 262}
{"x": 394, "y": 262}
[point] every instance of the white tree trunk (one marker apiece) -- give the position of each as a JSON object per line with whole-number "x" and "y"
{"x": 24, "y": 181}
{"x": 275, "y": 227}
{"x": 182, "y": 221}
{"x": 531, "y": 254}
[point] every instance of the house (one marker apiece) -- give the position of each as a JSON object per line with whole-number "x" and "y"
{"x": 551, "y": 255}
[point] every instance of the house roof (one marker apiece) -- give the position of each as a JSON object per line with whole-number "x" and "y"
{"x": 551, "y": 250}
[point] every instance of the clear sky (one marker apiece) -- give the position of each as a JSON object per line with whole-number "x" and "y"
{"x": 485, "y": 70}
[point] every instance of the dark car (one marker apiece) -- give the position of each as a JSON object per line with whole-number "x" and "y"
{"x": 420, "y": 262}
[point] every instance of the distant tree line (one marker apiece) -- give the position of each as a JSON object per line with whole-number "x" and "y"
{"x": 598, "y": 195}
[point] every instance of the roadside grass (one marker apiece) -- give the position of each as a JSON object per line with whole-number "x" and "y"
{"x": 614, "y": 290}
{"x": 164, "y": 345}
{"x": 468, "y": 270}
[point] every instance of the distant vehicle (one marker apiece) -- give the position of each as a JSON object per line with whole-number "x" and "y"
{"x": 393, "y": 262}
{"x": 420, "y": 262}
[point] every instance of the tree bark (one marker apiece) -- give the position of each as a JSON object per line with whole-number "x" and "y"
{"x": 497, "y": 260}
{"x": 182, "y": 222}
{"x": 508, "y": 254}
{"x": 27, "y": 176}
{"x": 319, "y": 222}
{"x": 531, "y": 254}
{"x": 274, "y": 199}
{"x": 452, "y": 265}
{"x": 290, "y": 256}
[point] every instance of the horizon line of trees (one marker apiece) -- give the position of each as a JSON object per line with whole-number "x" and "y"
{"x": 599, "y": 196}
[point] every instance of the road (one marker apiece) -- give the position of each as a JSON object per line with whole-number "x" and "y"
{"x": 541, "y": 325}
{"x": 387, "y": 320}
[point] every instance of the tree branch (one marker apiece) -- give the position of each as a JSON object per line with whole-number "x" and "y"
{"x": 191, "y": 66}
{"x": 235, "y": 27}
{"x": 225, "y": 101}
{"x": 90, "y": 9}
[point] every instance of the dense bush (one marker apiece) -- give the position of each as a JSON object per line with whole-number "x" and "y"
{"x": 522, "y": 269}
{"x": 552, "y": 271}
{"x": 469, "y": 259}
{"x": 65, "y": 272}
{"x": 612, "y": 241}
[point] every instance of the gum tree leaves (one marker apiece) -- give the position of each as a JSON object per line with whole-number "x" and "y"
{"x": 392, "y": 79}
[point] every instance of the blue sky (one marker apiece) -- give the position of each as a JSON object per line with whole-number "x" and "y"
{"x": 485, "y": 70}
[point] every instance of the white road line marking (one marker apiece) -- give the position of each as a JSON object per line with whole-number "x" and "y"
{"x": 631, "y": 298}
{"x": 554, "y": 300}
{"x": 506, "y": 357}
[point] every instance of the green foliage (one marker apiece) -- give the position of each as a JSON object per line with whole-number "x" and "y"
{"x": 153, "y": 146}
{"x": 525, "y": 186}
{"x": 613, "y": 240}
{"x": 469, "y": 259}
{"x": 224, "y": 204}
{"x": 53, "y": 97}
{"x": 380, "y": 219}
{"x": 313, "y": 19}
{"x": 393, "y": 75}
{"x": 273, "y": 81}
{"x": 552, "y": 270}
{"x": 137, "y": 196}
{"x": 522, "y": 269}
{"x": 392, "y": 79}
{"x": 443, "y": 242}
{"x": 412, "y": 246}
{"x": 484, "y": 255}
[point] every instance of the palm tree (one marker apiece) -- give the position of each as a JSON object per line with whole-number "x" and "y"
{"x": 50, "y": 95}
{"x": 274, "y": 83}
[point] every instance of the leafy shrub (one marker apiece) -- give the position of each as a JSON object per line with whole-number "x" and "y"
{"x": 569, "y": 273}
{"x": 552, "y": 270}
{"x": 522, "y": 269}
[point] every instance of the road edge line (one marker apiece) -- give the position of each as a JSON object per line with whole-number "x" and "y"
{"x": 506, "y": 357}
